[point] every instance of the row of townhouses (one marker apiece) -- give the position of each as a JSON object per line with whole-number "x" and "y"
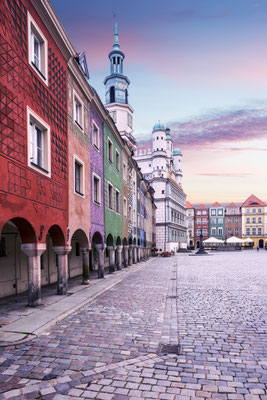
{"x": 72, "y": 198}
{"x": 246, "y": 220}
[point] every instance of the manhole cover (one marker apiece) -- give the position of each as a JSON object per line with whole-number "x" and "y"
{"x": 169, "y": 349}
{"x": 49, "y": 376}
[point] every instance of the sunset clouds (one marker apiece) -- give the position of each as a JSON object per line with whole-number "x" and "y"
{"x": 199, "y": 66}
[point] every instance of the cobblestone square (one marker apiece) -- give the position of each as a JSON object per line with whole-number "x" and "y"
{"x": 213, "y": 307}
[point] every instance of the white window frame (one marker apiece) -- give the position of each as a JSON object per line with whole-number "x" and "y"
{"x": 109, "y": 142}
{"x": 254, "y": 231}
{"x": 220, "y": 231}
{"x": 213, "y": 231}
{"x": 247, "y": 231}
{"x": 33, "y": 118}
{"x": 94, "y": 175}
{"x": 117, "y": 192}
{"x": 77, "y": 100}
{"x": 124, "y": 171}
{"x": 259, "y": 220}
{"x": 96, "y": 129}
{"x": 260, "y": 231}
{"x": 117, "y": 154}
{"x": 125, "y": 207}
{"x": 82, "y": 186}
{"x": 35, "y": 31}
{"x": 110, "y": 202}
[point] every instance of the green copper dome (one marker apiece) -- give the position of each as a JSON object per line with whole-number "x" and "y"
{"x": 176, "y": 152}
{"x": 158, "y": 127}
{"x": 168, "y": 136}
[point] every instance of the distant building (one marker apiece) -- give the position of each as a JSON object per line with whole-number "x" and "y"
{"x": 217, "y": 227}
{"x": 254, "y": 220}
{"x": 161, "y": 167}
{"x": 233, "y": 221}
{"x": 190, "y": 224}
{"x": 201, "y": 223}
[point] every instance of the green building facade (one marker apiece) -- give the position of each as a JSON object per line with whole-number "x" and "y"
{"x": 113, "y": 198}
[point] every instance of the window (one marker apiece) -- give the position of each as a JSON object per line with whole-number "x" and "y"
{"x": 37, "y": 45}
{"x": 229, "y": 220}
{"x": 110, "y": 150}
{"x": 248, "y": 211}
{"x": 220, "y": 211}
{"x": 130, "y": 120}
{"x": 198, "y": 221}
{"x": 248, "y": 231}
{"x": 110, "y": 194}
{"x": 253, "y": 231}
{"x": 198, "y": 212}
{"x": 198, "y": 232}
{"x": 248, "y": 220}
{"x": 117, "y": 160}
{"x": 259, "y": 210}
{"x": 229, "y": 231}
{"x": 113, "y": 115}
{"x": 254, "y": 210}
{"x": 38, "y": 143}
{"x": 213, "y": 212}
{"x": 96, "y": 185}
{"x": 220, "y": 231}
{"x": 213, "y": 221}
{"x": 254, "y": 220}
{"x": 213, "y": 231}
{"x": 78, "y": 110}
{"x": 117, "y": 200}
{"x": 95, "y": 136}
{"x": 130, "y": 214}
{"x": 78, "y": 176}
{"x": 125, "y": 207}
{"x": 124, "y": 172}
{"x": 220, "y": 221}
{"x": 204, "y": 212}
{"x": 236, "y": 220}
{"x": 189, "y": 233}
{"x": 259, "y": 220}
{"x": 236, "y": 231}
{"x": 3, "y": 247}
{"x": 204, "y": 232}
{"x": 259, "y": 231}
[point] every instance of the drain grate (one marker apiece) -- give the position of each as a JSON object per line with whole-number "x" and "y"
{"x": 164, "y": 349}
{"x": 171, "y": 297}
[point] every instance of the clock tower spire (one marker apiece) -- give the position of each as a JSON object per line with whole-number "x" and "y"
{"x": 116, "y": 85}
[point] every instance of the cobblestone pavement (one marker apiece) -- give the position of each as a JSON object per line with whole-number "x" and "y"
{"x": 119, "y": 346}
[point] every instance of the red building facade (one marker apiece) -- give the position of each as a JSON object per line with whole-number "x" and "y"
{"x": 201, "y": 223}
{"x": 233, "y": 221}
{"x": 33, "y": 144}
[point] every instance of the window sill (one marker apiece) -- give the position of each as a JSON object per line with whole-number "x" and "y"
{"x": 79, "y": 193}
{"x": 77, "y": 123}
{"x": 97, "y": 203}
{"x": 38, "y": 71}
{"x": 110, "y": 161}
{"x": 39, "y": 167}
{"x": 95, "y": 147}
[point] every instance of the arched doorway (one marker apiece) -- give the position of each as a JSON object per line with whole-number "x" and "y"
{"x": 198, "y": 244}
{"x": 96, "y": 254}
{"x": 261, "y": 244}
{"x": 14, "y": 274}
{"x": 79, "y": 241}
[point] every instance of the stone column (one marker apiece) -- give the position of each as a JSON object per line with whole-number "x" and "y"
{"x": 86, "y": 266}
{"x": 34, "y": 252}
{"x": 100, "y": 254}
{"x": 138, "y": 253}
{"x": 134, "y": 255}
{"x": 62, "y": 269}
{"x": 111, "y": 256}
{"x": 119, "y": 251}
{"x": 125, "y": 248}
{"x": 130, "y": 255}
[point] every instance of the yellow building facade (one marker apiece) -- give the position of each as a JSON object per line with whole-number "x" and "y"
{"x": 254, "y": 220}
